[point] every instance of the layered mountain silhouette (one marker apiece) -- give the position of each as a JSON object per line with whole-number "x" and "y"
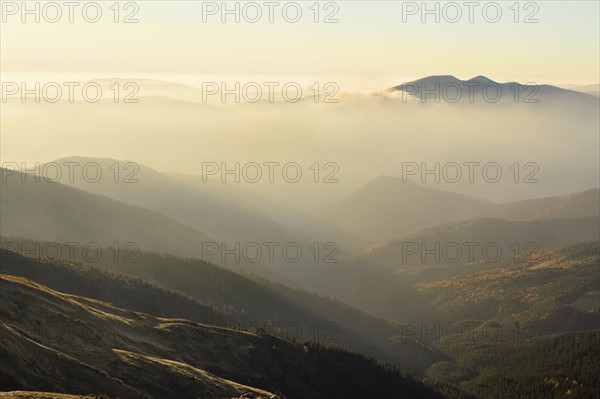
{"x": 45, "y": 210}
{"x": 390, "y": 207}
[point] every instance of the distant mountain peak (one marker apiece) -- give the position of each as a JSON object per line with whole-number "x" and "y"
{"x": 438, "y": 78}
{"x": 441, "y": 77}
{"x": 480, "y": 79}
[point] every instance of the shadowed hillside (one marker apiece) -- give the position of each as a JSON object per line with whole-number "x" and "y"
{"x": 475, "y": 240}
{"x": 104, "y": 349}
{"x": 242, "y": 301}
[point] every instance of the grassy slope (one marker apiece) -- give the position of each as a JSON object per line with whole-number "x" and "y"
{"x": 103, "y": 349}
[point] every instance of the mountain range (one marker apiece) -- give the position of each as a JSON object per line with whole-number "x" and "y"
{"x": 390, "y": 207}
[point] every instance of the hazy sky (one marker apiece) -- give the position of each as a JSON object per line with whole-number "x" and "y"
{"x": 371, "y": 40}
